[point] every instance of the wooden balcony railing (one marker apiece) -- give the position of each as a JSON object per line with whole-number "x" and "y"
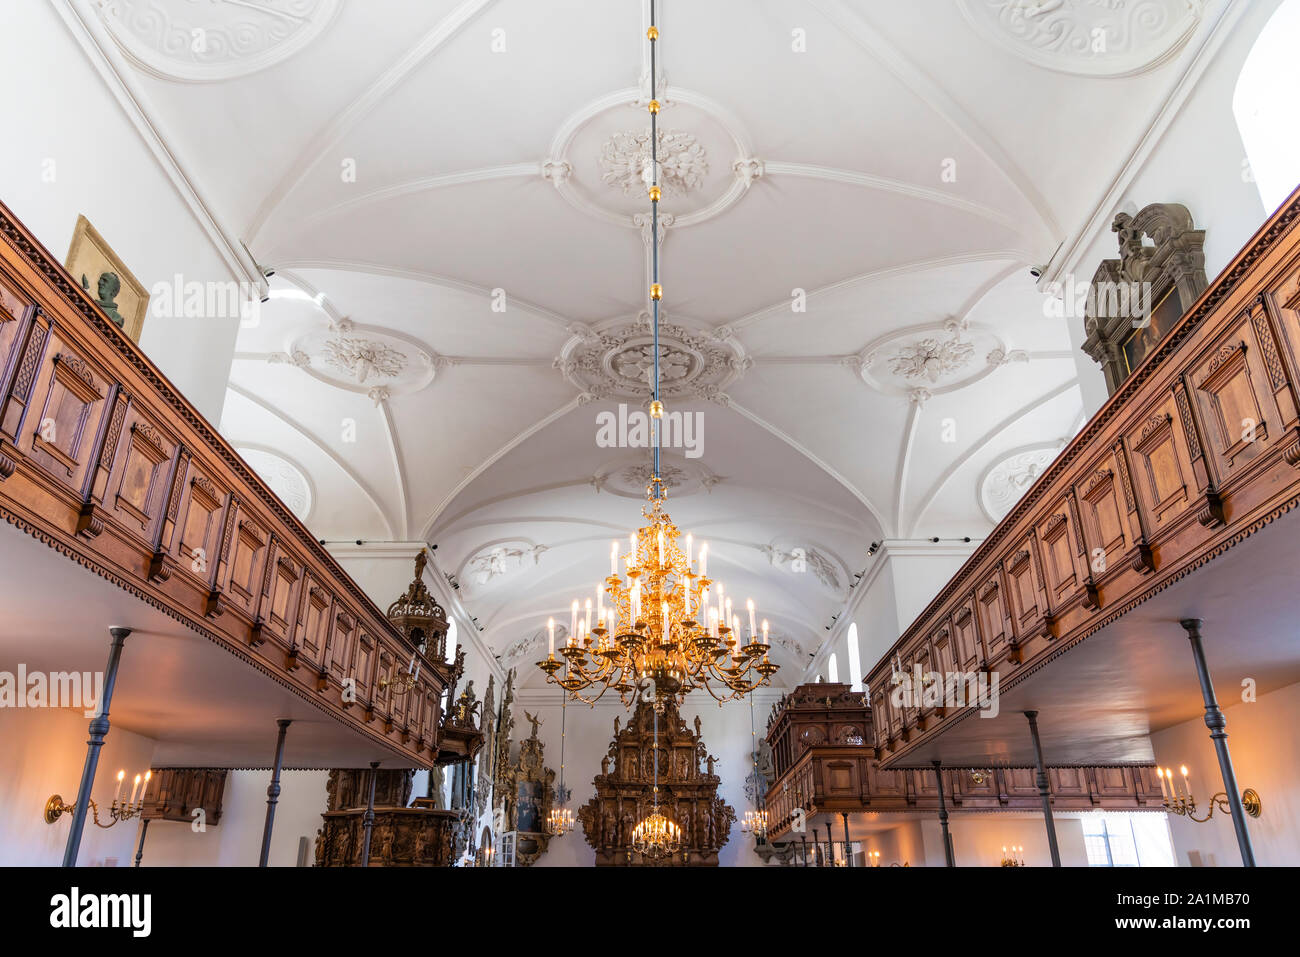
{"x": 104, "y": 460}
{"x": 826, "y": 764}
{"x": 833, "y": 780}
{"x": 1198, "y": 449}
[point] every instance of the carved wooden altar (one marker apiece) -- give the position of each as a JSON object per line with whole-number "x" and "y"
{"x": 688, "y": 791}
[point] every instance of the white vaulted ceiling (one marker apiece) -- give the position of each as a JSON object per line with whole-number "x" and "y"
{"x": 408, "y": 165}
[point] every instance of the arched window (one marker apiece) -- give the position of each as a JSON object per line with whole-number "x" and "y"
{"x": 451, "y": 640}
{"x": 832, "y": 669}
{"x": 1264, "y": 106}
{"x": 855, "y": 660}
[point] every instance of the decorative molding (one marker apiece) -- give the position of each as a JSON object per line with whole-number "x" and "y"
{"x": 616, "y": 361}
{"x": 285, "y": 478}
{"x": 799, "y": 558}
{"x": 629, "y": 478}
{"x": 935, "y": 358}
{"x": 625, "y": 161}
{"x": 1010, "y": 477}
{"x": 1112, "y": 39}
{"x": 228, "y": 39}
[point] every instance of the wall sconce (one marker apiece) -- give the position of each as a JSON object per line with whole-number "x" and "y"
{"x": 1013, "y": 856}
{"x": 1180, "y": 800}
{"x": 873, "y": 858}
{"x": 118, "y": 811}
{"x": 404, "y": 681}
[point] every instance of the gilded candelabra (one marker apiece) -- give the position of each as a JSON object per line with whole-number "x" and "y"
{"x": 667, "y": 629}
{"x": 656, "y": 836}
{"x": 755, "y": 823}
{"x": 1179, "y": 800}
{"x": 119, "y": 810}
{"x": 1013, "y": 856}
{"x": 404, "y": 681}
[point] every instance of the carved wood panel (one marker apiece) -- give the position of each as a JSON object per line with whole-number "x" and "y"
{"x": 25, "y": 362}
{"x": 994, "y": 622}
{"x": 200, "y": 525}
{"x": 1162, "y": 468}
{"x": 966, "y": 639}
{"x": 1023, "y": 592}
{"x": 313, "y": 621}
{"x": 249, "y": 551}
{"x": 1228, "y": 386}
{"x": 63, "y": 420}
{"x": 139, "y": 484}
{"x": 1102, "y": 514}
{"x": 1060, "y": 557}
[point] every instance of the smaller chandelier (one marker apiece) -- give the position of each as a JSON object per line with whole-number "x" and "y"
{"x": 560, "y": 821}
{"x": 656, "y": 836}
{"x": 755, "y": 823}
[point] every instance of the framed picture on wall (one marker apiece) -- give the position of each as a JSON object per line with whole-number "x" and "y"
{"x": 104, "y": 276}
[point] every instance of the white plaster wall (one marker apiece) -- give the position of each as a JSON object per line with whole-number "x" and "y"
{"x": 62, "y": 112}
{"x": 1197, "y": 162}
{"x": 46, "y": 757}
{"x": 1265, "y": 755}
{"x": 236, "y": 841}
{"x": 891, "y": 595}
{"x": 978, "y": 839}
{"x": 44, "y": 754}
{"x": 919, "y": 574}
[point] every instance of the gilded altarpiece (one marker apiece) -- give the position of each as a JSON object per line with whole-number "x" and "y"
{"x": 688, "y": 791}
{"x": 528, "y": 788}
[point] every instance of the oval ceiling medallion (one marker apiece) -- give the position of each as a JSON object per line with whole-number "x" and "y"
{"x": 285, "y": 479}
{"x": 361, "y": 359}
{"x": 215, "y": 40}
{"x": 600, "y": 157}
{"x": 930, "y": 360}
{"x": 616, "y": 360}
{"x": 1087, "y": 37}
{"x": 1009, "y": 479}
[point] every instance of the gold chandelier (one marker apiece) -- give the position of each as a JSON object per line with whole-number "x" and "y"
{"x": 560, "y": 821}
{"x": 755, "y": 823}
{"x": 668, "y": 629}
{"x": 655, "y": 836}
